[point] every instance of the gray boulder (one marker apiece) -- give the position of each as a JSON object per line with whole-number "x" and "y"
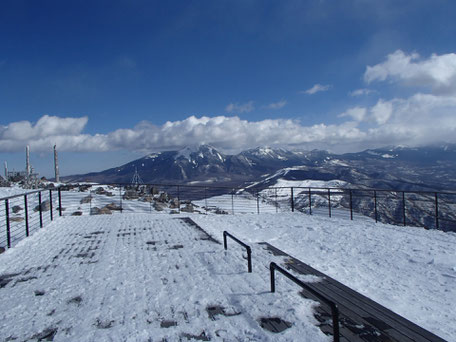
{"x": 86, "y": 199}
{"x": 112, "y": 206}
{"x": 45, "y": 206}
{"x": 188, "y": 208}
{"x": 16, "y": 209}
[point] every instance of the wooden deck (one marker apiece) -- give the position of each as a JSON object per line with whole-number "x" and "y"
{"x": 361, "y": 319}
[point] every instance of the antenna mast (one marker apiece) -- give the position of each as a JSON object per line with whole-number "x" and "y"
{"x": 56, "y": 165}
{"x": 136, "y": 180}
{"x": 27, "y": 165}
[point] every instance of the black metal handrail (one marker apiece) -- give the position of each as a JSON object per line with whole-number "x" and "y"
{"x": 21, "y": 194}
{"x": 249, "y": 250}
{"x": 334, "y": 310}
{"x": 13, "y": 230}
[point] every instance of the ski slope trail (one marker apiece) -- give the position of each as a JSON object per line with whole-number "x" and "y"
{"x": 142, "y": 277}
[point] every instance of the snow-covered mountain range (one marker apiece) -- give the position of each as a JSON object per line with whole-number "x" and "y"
{"x": 400, "y": 168}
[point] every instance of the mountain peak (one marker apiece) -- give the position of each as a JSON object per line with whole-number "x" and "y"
{"x": 192, "y": 152}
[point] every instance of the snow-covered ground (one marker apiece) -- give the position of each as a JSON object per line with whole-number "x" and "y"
{"x": 409, "y": 270}
{"x": 11, "y": 191}
{"x": 142, "y": 277}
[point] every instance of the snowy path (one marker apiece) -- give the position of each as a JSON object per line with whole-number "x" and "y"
{"x": 409, "y": 270}
{"x": 141, "y": 277}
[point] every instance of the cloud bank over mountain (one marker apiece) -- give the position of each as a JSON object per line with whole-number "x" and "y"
{"x": 427, "y": 116}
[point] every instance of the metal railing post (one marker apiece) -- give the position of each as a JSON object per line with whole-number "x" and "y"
{"x": 436, "y": 211}
{"x": 276, "y": 203}
{"x": 205, "y": 198}
{"x": 292, "y": 200}
{"x": 310, "y": 202}
{"x": 375, "y": 206}
{"x": 329, "y": 202}
{"x": 26, "y": 216}
{"x": 50, "y": 205}
{"x": 249, "y": 250}
{"x": 40, "y": 209}
{"x": 403, "y": 207}
{"x": 232, "y": 202}
{"x": 351, "y": 205}
{"x": 90, "y": 202}
{"x": 120, "y": 199}
{"x": 258, "y": 202}
{"x": 334, "y": 309}
{"x": 8, "y": 231}
{"x": 60, "y": 201}
{"x": 178, "y": 199}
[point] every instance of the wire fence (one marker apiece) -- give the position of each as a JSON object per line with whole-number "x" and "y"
{"x": 24, "y": 214}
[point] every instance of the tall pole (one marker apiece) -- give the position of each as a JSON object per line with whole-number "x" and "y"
{"x": 27, "y": 164}
{"x": 56, "y": 165}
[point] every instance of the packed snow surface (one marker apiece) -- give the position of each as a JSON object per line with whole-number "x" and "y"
{"x": 124, "y": 276}
{"x": 411, "y": 271}
{"x": 11, "y": 191}
{"x": 142, "y": 277}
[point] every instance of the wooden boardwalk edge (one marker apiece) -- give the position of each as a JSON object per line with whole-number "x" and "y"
{"x": 361, "y": 319}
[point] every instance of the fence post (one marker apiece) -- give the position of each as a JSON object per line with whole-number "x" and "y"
{"x": 232, "y": 202}
{"x": 205, "y": 198}
{"x": 178, "y": 199}
{"x": 40, "y": 210}
{"x": 8, "y": 232}
{"x": 329, "y": 202}
{"x": 310, "y": 202}
{"x": 292, "y": 200}
{"x": 60, "y": 202}
{"x": 351, "y": 205}
{"x": 120, "y": 199}
{"x": 272, "y": 276}
{"x": 403, "y": 206}
{"x": 276, "y": 203}
{"x": 50, "y": 205}
{"x": 375, "y": 205}
{"x": 258, "y": 202}
{"x": 26, "y": 216}
{"x": 436, "y": 211}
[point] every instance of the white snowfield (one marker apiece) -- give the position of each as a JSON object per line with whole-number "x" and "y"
{"x": 125, "y": 277}
{"x": 409, "y": 270}
{"x": 142, "y": 277}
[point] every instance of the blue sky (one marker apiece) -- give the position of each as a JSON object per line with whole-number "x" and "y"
{"x": 109, "y": 81}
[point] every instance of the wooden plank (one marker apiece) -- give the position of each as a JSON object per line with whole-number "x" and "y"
{"x": 360, "y": 308}
{"x": 397, "y": 322}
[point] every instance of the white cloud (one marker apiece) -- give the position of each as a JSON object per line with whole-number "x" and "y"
{"x": 66, "y": 132}
{"x": 420, "y": 119}
{"x": 356, "y": 113}
{"x": 417, "y": 120}
{"x": 277, "y": 105}
{"x": 381, "y": 112}
{"x": 240, "y": 108}
{"x": 228, "y": 133}
{"x": 361, "y": 92}
{"x": 317, "y": 88}
{"x": 437, "y": 72}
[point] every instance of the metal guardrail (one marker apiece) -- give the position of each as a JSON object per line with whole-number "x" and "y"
{"x": 249, "y": 250}
{"x": 334, "y": 309}
{"x": 17, "y": 225}
{"x": 428, "y": 209}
